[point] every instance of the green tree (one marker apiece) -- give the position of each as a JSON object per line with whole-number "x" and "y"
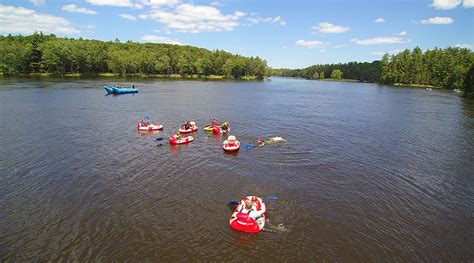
{"x": 336, "y": 74}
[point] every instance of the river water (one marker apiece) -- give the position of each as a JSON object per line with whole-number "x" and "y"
{"x": 369, "y": 172}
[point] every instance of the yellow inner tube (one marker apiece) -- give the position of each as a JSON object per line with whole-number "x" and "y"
{"x": 209, "y": 127}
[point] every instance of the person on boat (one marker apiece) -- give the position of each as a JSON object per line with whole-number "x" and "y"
{"x": 253, "y": 206}
{"x": 231, "y": 141}
{"x": 117, "y": 85}
{"x": 133, "y": 86}
{"x": 144, "y": 123}
{"x": 177, "y": 136}
{"x": 192, "y": 124}
{"x": 214, "y": 123}
{"x": 186, "y": 126}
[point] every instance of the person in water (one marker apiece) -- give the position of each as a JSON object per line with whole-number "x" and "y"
{"x": 225, "y": 126}
{"x": 253, "y": 206}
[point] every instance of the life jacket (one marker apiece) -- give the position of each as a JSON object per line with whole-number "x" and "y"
{"x": 244, "y": 218}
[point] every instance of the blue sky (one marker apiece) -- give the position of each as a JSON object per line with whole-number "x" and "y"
{"x": 290, "y": 34}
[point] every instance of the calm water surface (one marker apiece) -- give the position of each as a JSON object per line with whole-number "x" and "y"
{"x": 369, "y": 173}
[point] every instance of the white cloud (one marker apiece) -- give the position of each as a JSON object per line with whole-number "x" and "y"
{"x": 271, "y": 20}
{"x": 19, "y": 20}
{"x": 119, "y": 3}
{"x": 240, "y": 13}
{"x": 326, "y": 27}
{"x": 451, "y": 4}
{"x": 278, "y": 20}
{"x": 129, "y": 17}
{"x": 158, "y": 3}
{"x": 446, "y": 4}
{"x": 216, "y": 4}
{"x": 438, "y": 20}
{"x": 379, "y": 53}
{"x": 75, "y": 9}
{"x": 253, "y": 20}
{"x": 310, "y": 43}
{"x": 191, "y": 18}
{"x": 403, "y": 33}
{"x": 339, "y": 46}
{"x": 166, "y": 31}
{"x": 159, "y": 39}
{"x": 379, "y": 20}
{"x": 38, "y": 2}
{"x": 379, "y": 41}
{"x": 91, "y": 26}
{"x": 468, "y": 3}
{"x": 464, "y": 46}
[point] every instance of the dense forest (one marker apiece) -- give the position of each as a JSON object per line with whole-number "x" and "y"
{"x": 450, "y": 68}
{"x": 41, "y": 53}
{"x": 445, "y": 68}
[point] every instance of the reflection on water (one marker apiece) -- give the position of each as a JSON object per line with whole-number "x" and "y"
{"x": 369, "y": 172}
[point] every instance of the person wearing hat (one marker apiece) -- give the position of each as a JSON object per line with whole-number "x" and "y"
{"x": 251, "y": 205}
{"x": 231, "y": 140}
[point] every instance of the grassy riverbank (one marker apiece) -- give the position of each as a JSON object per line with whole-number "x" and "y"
{"x": 420, "y": 86}
{"x": 112, "y": 75}
{"x": 340, "y": 80}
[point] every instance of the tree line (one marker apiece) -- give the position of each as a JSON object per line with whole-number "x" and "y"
{"x": 450, "y": 68}
{"x": 446, "y": 68}
{"x": 39, "y": 53}
{"x": 361, "y": 71}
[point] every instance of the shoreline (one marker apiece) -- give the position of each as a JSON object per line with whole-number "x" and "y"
{"x": 419, "y": 86}
{"x": 113, "y": 75}
{"x": 342, "y": 80}
{"x": 396, "y": 85}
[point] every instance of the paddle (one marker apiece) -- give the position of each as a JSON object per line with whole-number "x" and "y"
{"x": 266, "y": 198}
